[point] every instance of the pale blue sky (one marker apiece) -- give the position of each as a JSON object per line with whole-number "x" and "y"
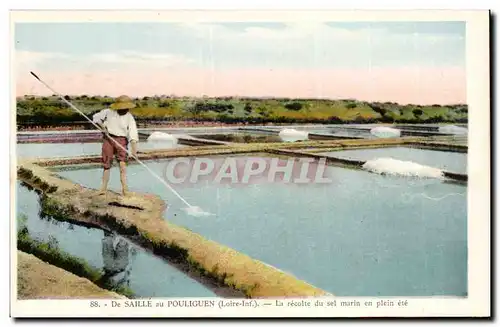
{"x": 333, "y": 44}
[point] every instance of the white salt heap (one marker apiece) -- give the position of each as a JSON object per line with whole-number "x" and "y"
{"x": 392, "y": 166}
{"x": 293, "y": 135}
{"x": 385, "y": 132}
{"x": 197, "y": 212}
{"x": 161, "y": 137}
{"x": 159, "y": 140}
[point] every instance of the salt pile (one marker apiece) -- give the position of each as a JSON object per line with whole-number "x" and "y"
{"x": 161, "y": 137}
{"x": 452, "y": 129}
{"x": 385, "y": 132}
{"x": 390, "y": 166}
{"x": 293, "y": 135}
{"x": 197, "y": 212}
{"x": 159, "y": 140}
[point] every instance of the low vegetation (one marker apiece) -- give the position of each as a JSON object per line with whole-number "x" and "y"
{"x": 52, "y": 111}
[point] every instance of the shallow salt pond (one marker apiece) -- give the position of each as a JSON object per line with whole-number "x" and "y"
{"x": 363, "y": 234}
{"x": 449, "y": 161}
{"x": 51, "y": 150}
{"x": 144, "y": 273}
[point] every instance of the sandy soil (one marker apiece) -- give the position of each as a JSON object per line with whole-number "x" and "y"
{"x": 39, "y": 280}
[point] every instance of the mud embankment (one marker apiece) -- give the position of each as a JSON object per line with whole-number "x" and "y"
{"x": 39, "y": 280}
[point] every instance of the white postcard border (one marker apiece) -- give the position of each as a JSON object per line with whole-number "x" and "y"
{"x": 477, "y": 45}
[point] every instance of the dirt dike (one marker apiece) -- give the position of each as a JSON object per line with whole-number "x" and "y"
{"x": 37, "y": 279}
{"x": 140, "y": 218}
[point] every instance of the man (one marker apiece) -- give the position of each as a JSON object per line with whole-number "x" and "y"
{"x": 119, "y": 125}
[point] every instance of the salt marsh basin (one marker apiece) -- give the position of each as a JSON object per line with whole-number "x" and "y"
{"x": 400, "y": 242}
{"x": 452, "y": 161}
{"x": 51, "y": 150}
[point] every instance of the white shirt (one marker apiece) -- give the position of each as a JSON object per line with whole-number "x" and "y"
{"x": 118, "y": 125}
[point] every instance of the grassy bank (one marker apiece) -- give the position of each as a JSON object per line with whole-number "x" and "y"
{"x": 50, "y": 252}
{"x": 51, "y": 111}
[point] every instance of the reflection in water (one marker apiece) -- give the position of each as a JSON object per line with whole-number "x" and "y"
{"x": 98, "y": 251}
{"x": 117, "y": 258}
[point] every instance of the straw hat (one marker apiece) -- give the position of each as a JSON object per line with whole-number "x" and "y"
{"x": 122, "y": 102}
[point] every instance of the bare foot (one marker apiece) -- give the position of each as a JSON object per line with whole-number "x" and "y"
{"x": 101, "y": 192}
{"x": 124, "y": 193}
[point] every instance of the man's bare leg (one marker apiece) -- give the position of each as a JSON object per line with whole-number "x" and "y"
{"x": 105, "y": 180}
{"x": 123, "y": 177}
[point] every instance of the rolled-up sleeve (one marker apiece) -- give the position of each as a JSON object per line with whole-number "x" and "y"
{"x": 133, "y": 134}
{"x": 99, "y": 117}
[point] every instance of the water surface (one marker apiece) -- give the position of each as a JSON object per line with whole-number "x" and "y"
{"x": 51, "y": 150}
{"x": 361, "y": 235}
{"x": 130, "y": 265}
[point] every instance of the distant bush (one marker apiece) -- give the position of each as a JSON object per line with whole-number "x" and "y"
{"x": 351, "y": 105}
{"x": 215, "y": 107}
{"x": 335, "y": 120}
{"x": 417, "y": 112}
{"x": 248, "y": 108}
{"x": 263, "y": 111}
{"x": 436, "y": 119}
{"x": 294, "y": 106}
{"x": 378, "y": 109}
{"x": 386, "y": 119}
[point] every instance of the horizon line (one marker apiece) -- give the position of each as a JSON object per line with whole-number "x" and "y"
{"x": 270, "y": 97}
